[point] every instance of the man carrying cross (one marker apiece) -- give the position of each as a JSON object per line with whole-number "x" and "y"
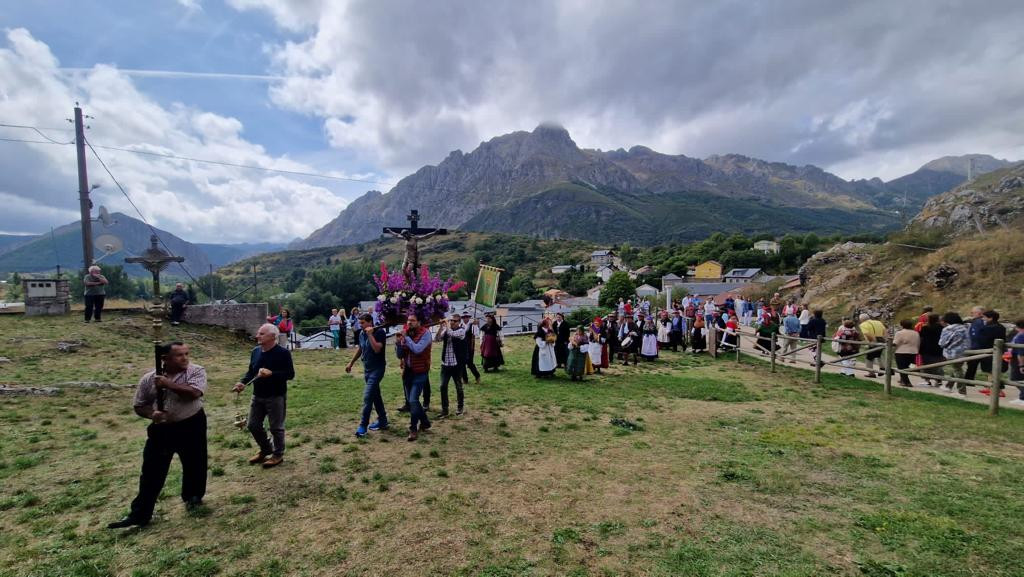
{"x": 412, "y": 236}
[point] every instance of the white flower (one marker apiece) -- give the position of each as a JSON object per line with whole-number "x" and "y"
{"x": 394, "y": 300}
{"x": 381, "y": 298}
{"x": 419, "y": 301}
{"x": 430, "y": 298}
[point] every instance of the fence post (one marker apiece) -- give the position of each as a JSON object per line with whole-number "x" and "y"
{"x": 774, "y": 340}
{"x": 887, "y": 365}
{"x": 817, "y": 360}
{"x": 738, "y": 344}
{"x": 997, "y": 377}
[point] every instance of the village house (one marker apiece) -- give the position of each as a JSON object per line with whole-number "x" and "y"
{"x": 767, "y": 246}
{"x": 744, "y": 276}
{"x": 600, "y": 258}
{"x": 708, "y": 271}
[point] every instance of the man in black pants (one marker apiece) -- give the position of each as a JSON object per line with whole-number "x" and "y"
{"x": 174, "y": 402}
{"x": 270, "y": 369}
{"x": 469, "y": 346}
{"x": 451, "y": 337}
{"x": 95, "y": 293}
{"x": 179, "y": 299}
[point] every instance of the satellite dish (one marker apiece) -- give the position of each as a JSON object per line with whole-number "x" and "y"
{"x": 105, "y": 218}
{"x": 108, "y": 243}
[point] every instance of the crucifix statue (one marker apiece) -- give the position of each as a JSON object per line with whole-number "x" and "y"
{"x": 412, "y": 235}
{"x": 155, "y": 260}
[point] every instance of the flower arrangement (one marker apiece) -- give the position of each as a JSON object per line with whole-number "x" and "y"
{"x": 424, "y": 295}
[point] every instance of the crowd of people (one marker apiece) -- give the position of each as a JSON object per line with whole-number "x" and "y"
{"x": 173, "y": 399}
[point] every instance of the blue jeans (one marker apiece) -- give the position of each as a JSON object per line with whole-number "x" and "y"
{"x": 418, "y": 420}
{"x": 372, "y": 398}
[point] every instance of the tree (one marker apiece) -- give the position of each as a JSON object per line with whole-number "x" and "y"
{"x": 342, "y": 285}
{"x": 576, "y": 282}
{"x": 619, "y": 285}
{"x": 468, "y": 271}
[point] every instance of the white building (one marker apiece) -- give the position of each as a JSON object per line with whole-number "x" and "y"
{"x": 646, "y": 290}
{"x": 605, "y": 272}
{"x": 744, "y": 276}
{"x": 767, "y": 246}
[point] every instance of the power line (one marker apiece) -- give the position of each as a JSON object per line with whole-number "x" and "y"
{"x": 216, "y": 162}
{"x": 141, "y": 216}
{"x": 38, "y": 131}
{"x": 248, "y": 166}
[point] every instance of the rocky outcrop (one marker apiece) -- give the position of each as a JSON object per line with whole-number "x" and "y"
{"x": 996, "y": 200}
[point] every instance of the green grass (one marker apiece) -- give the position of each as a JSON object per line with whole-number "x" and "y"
{"x": 712, "y": 468}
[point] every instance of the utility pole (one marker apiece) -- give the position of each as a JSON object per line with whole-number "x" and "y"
{"x": 83, "y": 190}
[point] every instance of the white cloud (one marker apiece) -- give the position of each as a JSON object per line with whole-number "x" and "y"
{"x": 401, "y": 83}
{"x": 198, "y": 201}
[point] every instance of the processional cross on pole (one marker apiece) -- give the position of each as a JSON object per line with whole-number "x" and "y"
{"x": 155, "y": 260}
{"x": 412, "y": 235}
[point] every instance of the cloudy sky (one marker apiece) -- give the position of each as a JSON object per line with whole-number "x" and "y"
{"x": 365, "y": 92}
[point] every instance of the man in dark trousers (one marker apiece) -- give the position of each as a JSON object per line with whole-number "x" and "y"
{"x": 469, "y": 359}
{"x": 452, "y": 337}
{"x": 562, "y": 331}
{"x": 270, "y": 369}
{"x": 173, "y": 401}
{"x": 611, "y": 328}
{"x": 984, "y": 332}
{"x": 414, "y": 345}
{"x": 678, "y": 329}
{"x": 179, "y": 298}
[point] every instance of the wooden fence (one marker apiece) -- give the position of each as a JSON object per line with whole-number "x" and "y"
{"x": 997, "y": 379}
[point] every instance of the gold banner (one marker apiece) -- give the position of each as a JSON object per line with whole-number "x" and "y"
{"x": 487, "y": 286}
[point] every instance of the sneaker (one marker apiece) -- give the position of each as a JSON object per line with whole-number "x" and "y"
{"x": 377, "y": 426}
{"x": 424, "y": 427}
{"x": 361, "y": 431}
{"x": 441, "y": 415}
{"x": 461, "y": 411}
{"x": 128, "y": 521}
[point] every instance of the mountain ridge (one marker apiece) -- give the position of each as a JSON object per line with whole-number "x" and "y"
{"x": 484, "y": 187}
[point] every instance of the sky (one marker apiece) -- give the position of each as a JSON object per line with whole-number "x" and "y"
{"x": 357, "y": 94}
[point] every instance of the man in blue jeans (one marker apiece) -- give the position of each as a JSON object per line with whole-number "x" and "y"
{"x": 371, "y": 349}
{"x": 414, "y": 349}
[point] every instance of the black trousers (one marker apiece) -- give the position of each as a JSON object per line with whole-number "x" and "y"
{"x": 94, "y": 306}
{"x": 447, "y": 374}
{"x": 470, "y": 363}
{"x": 186, "y": 438}
{"x": 903, "y": 362}
{"x": 972, "y": 367}
{"x": 176, "y": 311}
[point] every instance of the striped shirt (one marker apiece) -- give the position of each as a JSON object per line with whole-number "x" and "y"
{"x": 177, "y": 407}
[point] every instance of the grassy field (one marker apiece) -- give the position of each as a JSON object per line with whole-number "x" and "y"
{"x": 733, "y": 472}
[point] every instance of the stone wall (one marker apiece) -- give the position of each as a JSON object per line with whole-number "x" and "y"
{"x": 54, "y": 299}
{"x": 245, "y": 316}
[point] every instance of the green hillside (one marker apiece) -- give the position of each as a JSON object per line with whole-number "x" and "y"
{"x": 573, "y": 210}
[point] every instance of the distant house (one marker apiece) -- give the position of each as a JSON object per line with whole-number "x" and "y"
{"x": 767, "y": 246}
{"x": 602, "y": 257}
{"x": 604, "y": 272}
{"x": 710, "y": 289}
{"x": 708, "y": 271}
{"x": 577, "y": 302}
{"x": 318, "y": 340}
{"x": 646, "y": 290}
{"x": 744, "y": 275}
{"x": 562, "y": 268}
{"x": 669, "y": 283}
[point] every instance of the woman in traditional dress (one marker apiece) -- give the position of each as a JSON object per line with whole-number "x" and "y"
{"x": 490, "y": 345}
{"x": 664, "y": 331}
{"x": 649, "y": 347}
{"x": 730, "y": 334}
{"x": 698, "y": 336}
{"x": 544, "y": 362}
{"x": 598, "y": 347}
{"x": 576, "y": 362}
